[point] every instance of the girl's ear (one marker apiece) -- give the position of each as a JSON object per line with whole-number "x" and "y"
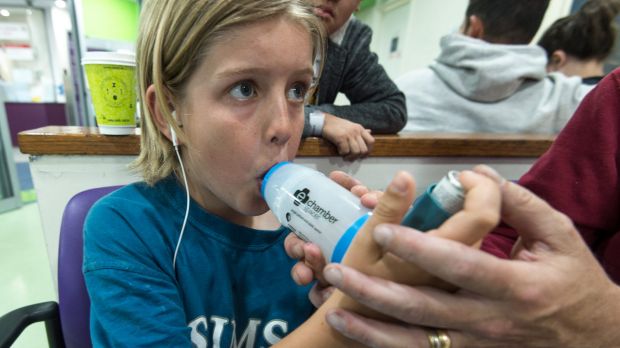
{"x": 156, "y": 113}
{"x": 557, "y": 61}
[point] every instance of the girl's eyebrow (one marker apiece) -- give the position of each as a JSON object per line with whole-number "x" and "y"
{"x": 257, "y": 71}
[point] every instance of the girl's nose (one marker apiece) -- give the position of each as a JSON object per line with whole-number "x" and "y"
{"x": 280, "y": 122}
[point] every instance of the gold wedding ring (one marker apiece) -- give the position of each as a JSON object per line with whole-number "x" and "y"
{"x": 439, "y": 339}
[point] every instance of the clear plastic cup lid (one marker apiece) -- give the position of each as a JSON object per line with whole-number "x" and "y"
{"x": 116, "y": 58}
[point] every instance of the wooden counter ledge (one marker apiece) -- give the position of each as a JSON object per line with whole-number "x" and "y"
{"x": 63, "y": 140}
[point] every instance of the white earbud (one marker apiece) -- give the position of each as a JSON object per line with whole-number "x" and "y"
{"x": 173, "y": 134}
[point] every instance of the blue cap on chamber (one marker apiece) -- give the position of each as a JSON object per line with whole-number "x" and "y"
{"x": 268, "y": 175}
{"x": 343, "y": 243}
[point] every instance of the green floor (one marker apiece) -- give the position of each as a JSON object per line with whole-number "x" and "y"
{"x": 25, "y": 276}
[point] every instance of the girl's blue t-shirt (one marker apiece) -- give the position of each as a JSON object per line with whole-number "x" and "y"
{"x": 231, "y": 288}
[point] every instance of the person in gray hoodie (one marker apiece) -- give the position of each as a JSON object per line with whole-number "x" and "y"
{"x": 488, "y": 79}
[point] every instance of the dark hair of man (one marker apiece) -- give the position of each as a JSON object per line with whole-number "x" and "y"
{"x": 508, "y": 21}
{"x": 587, "y": 34}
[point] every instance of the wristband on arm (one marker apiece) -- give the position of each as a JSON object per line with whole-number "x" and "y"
{"x": 317, "y": 120}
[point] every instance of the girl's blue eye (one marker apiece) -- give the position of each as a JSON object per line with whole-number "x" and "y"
{"x": 297, "y": 92}
{"x": 243, "y": 91}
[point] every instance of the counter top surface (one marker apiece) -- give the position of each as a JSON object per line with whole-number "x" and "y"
{"x": 70, "y": 140}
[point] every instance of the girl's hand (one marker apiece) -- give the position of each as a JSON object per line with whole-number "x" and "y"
{"x": 311, "y": 260}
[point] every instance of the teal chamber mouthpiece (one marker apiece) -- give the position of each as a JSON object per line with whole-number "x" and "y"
{"x": 320, "y": 211}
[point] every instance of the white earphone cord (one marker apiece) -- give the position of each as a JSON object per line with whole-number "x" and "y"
{"x": 176, "y": 250}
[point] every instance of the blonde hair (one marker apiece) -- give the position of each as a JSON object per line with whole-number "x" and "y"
{"x": 175, "y": 35}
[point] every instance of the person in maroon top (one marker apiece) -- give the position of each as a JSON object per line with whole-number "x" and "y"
{"x": 551, "y": 282}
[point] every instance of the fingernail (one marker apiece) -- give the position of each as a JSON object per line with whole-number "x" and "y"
{"x": 399, "y": 184}
{"x": 383, "y": 234}
{"x": 295, "y": 277}
{"x": 327, "y": 293}
{"x": 490, "y": 173}
{"x": 540, "y": 246}
{"x": 333, "y": 275}
{"x": 298, "y": 250}
{"x": 335, "y": 321}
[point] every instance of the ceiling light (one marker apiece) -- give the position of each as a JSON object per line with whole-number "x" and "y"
{"x": 60, "y": 3}
{"x": 5, "y": 13}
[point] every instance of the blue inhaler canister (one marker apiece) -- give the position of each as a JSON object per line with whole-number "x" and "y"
{"x": 436, "y": 204}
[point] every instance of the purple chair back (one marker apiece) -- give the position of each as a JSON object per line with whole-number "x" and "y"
{"x": 73, "y": 299}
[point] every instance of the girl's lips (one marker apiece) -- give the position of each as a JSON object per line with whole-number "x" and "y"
{"x": 261, "y": 178}
{"x": 260, "y": 185}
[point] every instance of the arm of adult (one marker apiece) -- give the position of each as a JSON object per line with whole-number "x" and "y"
{"x": 579, "y": 176}
{"x": 552, "y": 293}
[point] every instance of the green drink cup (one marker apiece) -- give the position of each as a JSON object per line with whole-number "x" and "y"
{"x": 112, "y": 84}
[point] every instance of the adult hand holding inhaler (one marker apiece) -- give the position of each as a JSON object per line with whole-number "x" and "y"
{"x": 320, "y": 211}
{"x": 479, "y": 215}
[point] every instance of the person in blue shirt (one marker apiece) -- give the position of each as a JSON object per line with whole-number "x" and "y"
{"x": 191, "y": 256}
{"x": 222, "y": 87}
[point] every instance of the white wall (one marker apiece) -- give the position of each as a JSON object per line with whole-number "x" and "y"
{"x": 61, "y": 25}
{"x": 557, "y": 9}
{"x": 419, "y": 24}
